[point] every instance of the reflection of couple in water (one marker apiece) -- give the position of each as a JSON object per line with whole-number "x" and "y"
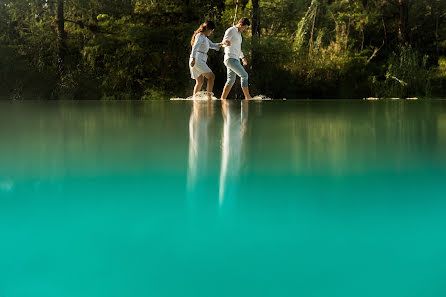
{"x": 232, "y": 41}
{"x": 235, "y": 116}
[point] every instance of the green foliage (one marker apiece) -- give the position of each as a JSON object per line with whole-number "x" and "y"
{"x": 437, "y": 80}
{"x": 406, "y": 75}
{"x": 305, "y": 27}
{"x": 139, "y": 49}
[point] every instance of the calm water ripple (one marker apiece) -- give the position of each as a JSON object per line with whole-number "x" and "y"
{"x": 279, "y": 198}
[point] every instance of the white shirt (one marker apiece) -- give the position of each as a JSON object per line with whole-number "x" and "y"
{"x": 235, "y": 38}
{"x": 202, "y": 45}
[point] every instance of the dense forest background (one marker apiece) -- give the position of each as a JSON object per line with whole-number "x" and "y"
{"x": 128, "y": 49}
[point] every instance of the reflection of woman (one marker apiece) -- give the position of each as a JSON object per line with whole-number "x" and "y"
{"x": 234, "y": 128}
{"x": 198, "y": 170}
{"x": 198, "y": 58}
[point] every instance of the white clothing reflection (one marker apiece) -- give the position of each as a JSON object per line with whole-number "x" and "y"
{"x": 198, "y": 165}
{"x": 234, "y": 129}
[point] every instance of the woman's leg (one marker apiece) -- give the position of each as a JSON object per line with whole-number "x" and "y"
{"x": 211, "y": 78}
{"x": 236, "y": 66}
{"x": 198, "y": 84}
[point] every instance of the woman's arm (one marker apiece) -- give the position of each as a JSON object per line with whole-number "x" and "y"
{"x": 214, "y": 46}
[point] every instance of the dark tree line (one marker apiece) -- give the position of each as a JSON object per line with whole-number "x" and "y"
{"x": 128, "y": 49}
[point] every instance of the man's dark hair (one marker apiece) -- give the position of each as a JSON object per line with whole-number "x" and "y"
{"x": 244, "y": 22}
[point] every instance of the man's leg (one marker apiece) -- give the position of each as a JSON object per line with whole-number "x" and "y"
{"x": 229, "y": 82}
{"x": 226, "y": 91}
{"x": 246, "y": 93}
{"x": 237, "y": 67}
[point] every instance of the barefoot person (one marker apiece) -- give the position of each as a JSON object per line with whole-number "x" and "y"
{"x": 197, "y": 63}
{"x": 233, "y": 54}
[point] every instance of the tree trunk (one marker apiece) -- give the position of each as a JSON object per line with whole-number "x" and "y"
{"x": 220, "y": 8}
{"x": 235, "y": 13}
{"x": 403, "y": 21}
{"x": 255, "y": 18}
{"x": 364, "y": 4}
{"x": 255, "y": 31}
{"x": 243, "y": 3}
{"x": 61, "y": 35}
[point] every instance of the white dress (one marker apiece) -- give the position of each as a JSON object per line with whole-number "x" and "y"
{"x": 199, "y": 51}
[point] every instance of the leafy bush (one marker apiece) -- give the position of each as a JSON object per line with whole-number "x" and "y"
{"x": 406, "y": 75}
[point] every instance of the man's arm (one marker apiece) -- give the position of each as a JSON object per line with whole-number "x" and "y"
{"x": 228, "y": 35}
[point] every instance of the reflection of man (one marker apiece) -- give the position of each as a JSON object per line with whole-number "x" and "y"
{"x": 199, "y": 147}
{"x": 234, "y": 128}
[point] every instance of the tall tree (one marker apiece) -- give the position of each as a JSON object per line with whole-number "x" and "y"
{"x": 61, "y": 35}
{"x": 255, "y": 33}
{"x": 403, "y": 6}
{"x": 255, "y": 18}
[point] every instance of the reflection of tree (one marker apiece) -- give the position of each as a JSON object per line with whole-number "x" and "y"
{"x": 441, "y": 122}
{"x": 234, "y": 128}
{"x": 53, "y": 140}
{"x": 342, "y": 137}
{"x": 359, "y": 137}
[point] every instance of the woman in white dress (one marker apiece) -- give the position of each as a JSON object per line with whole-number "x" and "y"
{"x": 198, "y": 58}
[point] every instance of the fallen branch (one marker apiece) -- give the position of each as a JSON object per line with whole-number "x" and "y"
{"x": 374, "y": 53}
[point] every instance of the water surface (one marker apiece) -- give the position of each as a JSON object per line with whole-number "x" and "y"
{"x": 279, "y": 198}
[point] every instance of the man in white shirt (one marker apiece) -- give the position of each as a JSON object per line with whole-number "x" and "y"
{"x": 233, "y": 54}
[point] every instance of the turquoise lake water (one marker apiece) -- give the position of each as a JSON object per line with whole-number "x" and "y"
{"x": 179, "y": 198}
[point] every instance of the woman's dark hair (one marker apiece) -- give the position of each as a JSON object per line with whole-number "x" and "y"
{"x": 244, "y": 22}
{"x": 208, "y": 25}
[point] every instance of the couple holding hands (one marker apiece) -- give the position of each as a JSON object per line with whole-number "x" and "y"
{"x": 232, "y": 41}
